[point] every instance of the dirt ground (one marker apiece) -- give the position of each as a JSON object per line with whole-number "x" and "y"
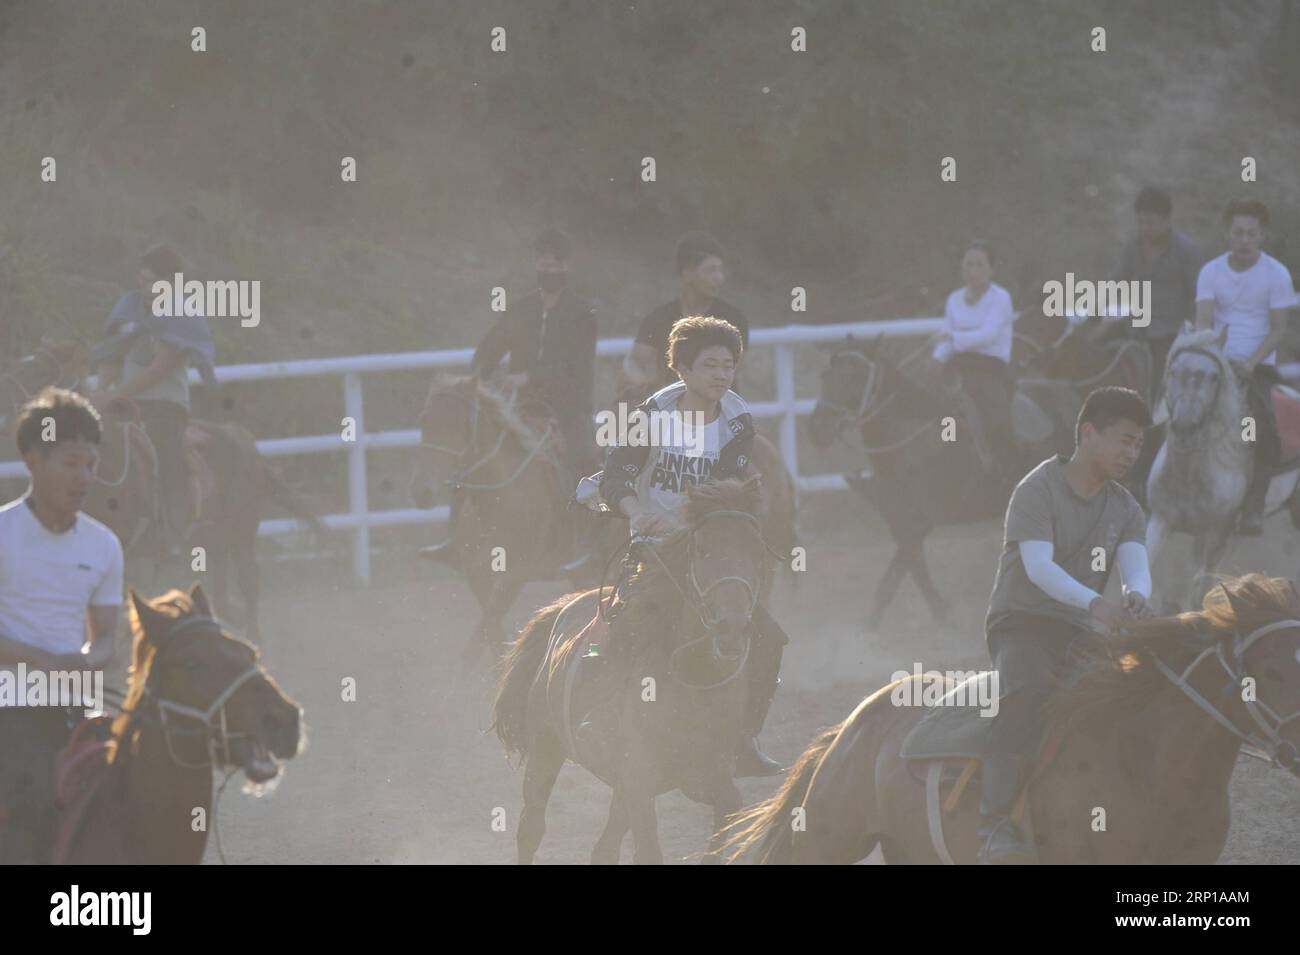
{"x": 407, "y": 774}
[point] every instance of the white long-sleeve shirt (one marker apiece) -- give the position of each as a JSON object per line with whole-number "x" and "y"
{"x": 1052, "y": 579}
{"x": 985, "y": 327}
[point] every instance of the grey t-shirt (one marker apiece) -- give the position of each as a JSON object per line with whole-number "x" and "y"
{"x": 1044, "y": 507}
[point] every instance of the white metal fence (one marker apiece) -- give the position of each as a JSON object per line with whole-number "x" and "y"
{"x": 359, "y": 519}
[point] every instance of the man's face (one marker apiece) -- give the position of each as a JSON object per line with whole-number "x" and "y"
{"x": 712, "y": 373}
{"x": 707, "y": 278}
{"x": 64, "y": 474}
{"x": 1245, "y": 237}
{"x": 1115, "y": 448}
{"x": 1152, "y": 226}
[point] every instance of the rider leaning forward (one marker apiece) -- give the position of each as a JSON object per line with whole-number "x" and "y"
{"x": 1068, "y": 523}
{"x": 648, "y": 485}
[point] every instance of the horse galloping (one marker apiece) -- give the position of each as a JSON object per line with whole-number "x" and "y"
{"x": 198, "y": 702}
{"x": 664, "y": 706}
{"x": 1149, "y": 727}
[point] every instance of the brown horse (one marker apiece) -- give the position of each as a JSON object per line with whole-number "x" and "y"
{"x": 514, "y": 492}
{"x": 198, "y": 702}
{"x": 663, "y": 708}
{"x": 230, "y": 481}
{"x": 1139, "y": 748}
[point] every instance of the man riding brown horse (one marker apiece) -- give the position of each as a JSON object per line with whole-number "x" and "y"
{"x": 648, "y": 485}
{"x": 1068, "y": 523}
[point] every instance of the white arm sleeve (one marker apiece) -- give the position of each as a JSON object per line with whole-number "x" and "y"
{"x": 1049, "y": 577}
{"x": 1134, "y": 569}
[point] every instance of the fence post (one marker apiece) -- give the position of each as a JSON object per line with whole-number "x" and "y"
{"x": 358, "y": 497}
{"x": 785, "y": 397}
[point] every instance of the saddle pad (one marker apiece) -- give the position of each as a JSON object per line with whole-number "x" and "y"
{"x": 953, "y": 727}
{"x": 1286, "y": 410}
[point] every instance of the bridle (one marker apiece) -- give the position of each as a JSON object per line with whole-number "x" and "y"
{"x": 696, "y": 597}
{"x": 859, "y": 416}
{"x": 30, "y": 360}
{"x": 460, "y": 480}
{"x": 1220, "y": 362}
{"x": 212, "y": 720}
{"x": 1268, "y": 736}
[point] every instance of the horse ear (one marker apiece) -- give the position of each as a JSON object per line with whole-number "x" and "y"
{"x": 200, "y": 601}
{"x": 145, "y": 620}
{"x": 1238, "y": 605}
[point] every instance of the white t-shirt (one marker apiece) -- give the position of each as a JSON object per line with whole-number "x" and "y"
{"x": 1242, "y": 300}
{"x": 677, "y": 464}
{"x": 48, "y": 580}
{"x": 984, "y": 327}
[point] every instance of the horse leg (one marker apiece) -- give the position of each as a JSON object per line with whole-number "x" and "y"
{"x": 1209, "y": 551}
{"x": 727, "y": 801}
{"x": 915, "y": 562}
{"x": 610, "y": 843}
{"x": 544, "y": 765}
{"x": 1157, "y": 540}
{"x": 887, "y": 587}
{"x": 640, "y": 803}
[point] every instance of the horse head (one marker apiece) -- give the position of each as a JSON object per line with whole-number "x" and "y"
{"x": 60, "y": 364}
{"x": 1256, "y": 623}
{"x": 727, "y": 560}
{"x": 1201, "y": 384}
{"x": 206, "y": 691}
{"x": 850, "y": 385}
{"x": 448, "y": 425}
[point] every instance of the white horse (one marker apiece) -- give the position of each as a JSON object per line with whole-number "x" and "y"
{"x": 1202, "y": 472}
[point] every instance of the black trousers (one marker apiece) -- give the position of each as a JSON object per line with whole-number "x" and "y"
{"x": 1031, "y": 655}
{"x": 987, "y": 380}
{"x": 1259, "y": 397}
{"x": 165, "y": 423}
{"x": 30, "y": 738}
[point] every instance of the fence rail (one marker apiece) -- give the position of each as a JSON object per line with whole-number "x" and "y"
{"x": 359, "y": 519}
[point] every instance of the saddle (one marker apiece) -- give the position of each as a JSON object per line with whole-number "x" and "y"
{"x": 946, "y": 748}
{"x": 1286, "y": 411}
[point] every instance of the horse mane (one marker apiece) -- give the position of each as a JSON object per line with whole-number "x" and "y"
{"x": 1120, "y": 679}
{"x": 732, "y": 494}
{"x": 175, "y": 604}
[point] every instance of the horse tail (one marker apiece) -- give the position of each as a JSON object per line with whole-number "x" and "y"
{"x": 767, "y": 825}
{"x": 519, "y": 669}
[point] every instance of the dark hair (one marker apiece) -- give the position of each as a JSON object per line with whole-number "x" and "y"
{"x": 1155, "y": 200}
{"x": 1245, "y": 207}
{"x": 979, "y": 245}
{"x": 554, "y": 242}
{"x": 163, "y": 260}
{"x": 1104, "y": 406}
{"x": 690, "y": 336}
{"x": 74, "y": 417}
{"x": 694, "y": 247}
